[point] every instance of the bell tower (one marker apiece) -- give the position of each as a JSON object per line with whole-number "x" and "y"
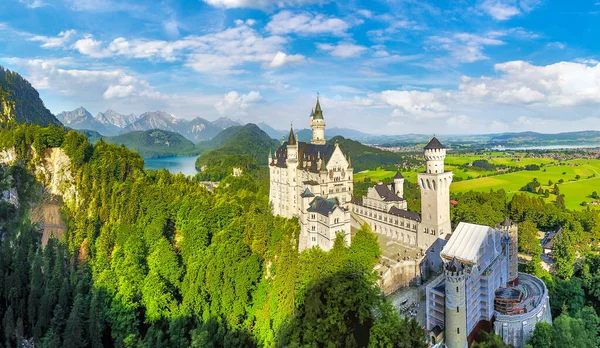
{"x": 435, "y": 196}
{"x": 317, "y": 124}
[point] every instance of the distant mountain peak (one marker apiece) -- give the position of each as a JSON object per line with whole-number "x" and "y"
{"x": 114, "y": 118}
{"x": 74, "y": 117}
{"x": 225, "y": 122}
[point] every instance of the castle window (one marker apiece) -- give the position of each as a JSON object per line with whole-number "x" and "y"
{"x": 457, "y": 289}
{"x": 457, "y": 310}
{"x": 314, "y": 239}
{"x": 458, "y": 330}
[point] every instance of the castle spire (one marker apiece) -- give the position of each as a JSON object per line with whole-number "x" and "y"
{"x": 318, "y": 112}
{"x": 291, "y": 137}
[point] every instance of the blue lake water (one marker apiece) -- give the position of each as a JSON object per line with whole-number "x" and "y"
{"x": 175, "y": 164}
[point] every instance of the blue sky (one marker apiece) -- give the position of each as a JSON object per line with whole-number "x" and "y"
{"x": 386, "y": 67}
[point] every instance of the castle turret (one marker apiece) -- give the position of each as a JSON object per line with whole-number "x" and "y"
{"x": 317, "y": 124}
{"x": 399, "y": 184}
{"x": 511, "y": 232}
{"x": 292, "y": 167}
{"x": 435, "y": 196}
{"x": 455, "y": 330}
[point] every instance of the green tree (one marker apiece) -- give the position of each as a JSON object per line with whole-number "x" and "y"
{"x": 541, "y": 336}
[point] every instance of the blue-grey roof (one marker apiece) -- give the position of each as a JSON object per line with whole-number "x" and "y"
{"x": 307, "y": 193}
{"x": 323, "y": 206}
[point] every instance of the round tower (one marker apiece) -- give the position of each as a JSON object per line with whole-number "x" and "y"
{"x": 317, "y": 124}
{"x": 511, "y": 233}
{"x": 399, "y": 184}
{"x": 455, "y": 327}
{"x": 434, "y": 184}
{"x": 435, "y": 154}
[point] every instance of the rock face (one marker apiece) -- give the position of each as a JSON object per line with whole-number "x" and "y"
{"x": 80, "y": 118}
{"x": 54, "y": 172}
{"x": 153, "y": 120}
{"x": 111, "y": 117}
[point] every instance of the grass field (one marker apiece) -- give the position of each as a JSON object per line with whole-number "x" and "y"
{"x": 575, "y": 191}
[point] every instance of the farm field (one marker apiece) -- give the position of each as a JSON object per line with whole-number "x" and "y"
{"x": 575, "y": 191}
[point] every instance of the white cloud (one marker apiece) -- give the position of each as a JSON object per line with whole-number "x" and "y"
{"x": 342, "y": 50}
{"x": 90, "y": 47}
{"x": 558, "y": 45}
{"x": 502, "y": 10}
{"x": 234, "y": 103}
{"x": 63, "y": 38}
{"x": 258, "y": 4}
{"x": 458, "y": 121}
{"x": 304, "y": 23}
{"x": 82, "y": 84}
{"x": 171, "y": 27}
{"x": 416, "y": 103}
{"x": 465, "y": 47}
{"x": 118, "y": 91}
{"x": 224, "y": 52}
{"x": 103, "y": 6}
{"x": 33, "y": 3}
{"x": 282, "y": 59}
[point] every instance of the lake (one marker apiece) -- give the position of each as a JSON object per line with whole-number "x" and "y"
{"x": 175, "y": 164}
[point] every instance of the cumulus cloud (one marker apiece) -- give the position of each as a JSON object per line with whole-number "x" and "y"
{"x": 90, "y": 47}
{"x": 502, "y": 10}
{"x": 423, "y": 104}
{"x": 342, "y": 50}
{"x": 554, "y": 85}
{"x": 305, "y": 23}
{"x": 84, "y": 84}
{"x": 63, "y": 38}
{"x": 224, "y": 52}
{"x": 235, "y": 103}
{"x": 118, "y": 91}
{"x": 282, "y": 59}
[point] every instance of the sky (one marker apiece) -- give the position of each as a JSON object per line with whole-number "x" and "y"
{"x": 379, "y": 66}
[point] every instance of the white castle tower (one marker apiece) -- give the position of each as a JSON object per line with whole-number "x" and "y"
{"x": 435, "y": 196}
{"x": 317, "y": 124}
{"x": 455, "y": 312}
{"x": 399, "y": 184}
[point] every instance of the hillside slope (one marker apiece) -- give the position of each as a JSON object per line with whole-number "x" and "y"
{"x": 21, "y": 102}
{"x": 249, "y": 140}
{"x": 155, "y": 143}
{"x": 365, "y": 157}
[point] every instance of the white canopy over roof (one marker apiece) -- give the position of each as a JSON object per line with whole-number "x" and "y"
{"x": 466, "y": 241}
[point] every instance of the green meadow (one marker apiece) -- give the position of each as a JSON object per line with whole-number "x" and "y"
{"x": 575, "y": 191}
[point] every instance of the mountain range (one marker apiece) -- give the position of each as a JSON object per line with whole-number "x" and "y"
{"x": 111, "y": 123}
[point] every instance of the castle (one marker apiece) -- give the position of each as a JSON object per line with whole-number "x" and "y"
{"x": 314, "y": 182}
{"x": 478, "y": 287}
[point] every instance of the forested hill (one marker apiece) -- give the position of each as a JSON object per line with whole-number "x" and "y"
{"x": 250, "y": 140}
{"x": 151, "y": 259}
{"x": 155, "y": 143}
{"x": 21, "y": 102}
{"x": 366, "y": 157}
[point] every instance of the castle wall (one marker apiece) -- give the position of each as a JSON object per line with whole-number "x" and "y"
{"x": 398, "y": 228}
{"x": 517, "y": 329}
